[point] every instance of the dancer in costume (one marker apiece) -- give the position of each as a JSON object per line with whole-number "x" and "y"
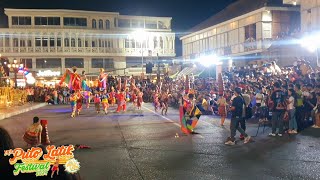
{"x": 73, "y": 102}
{"x": 102, "y": 80}
{"x": 190, "y": 114}
{"x": 156, "y": 101}
{"x": 97, "y": 101}
{"x": 85, "y": 88}
{"x": 164, "y": 102}
{"x": 87, "y": 98}
{"x": 72, "y": 78}
{"x": 105, "y": 102}
{"x": 112, "y": 95}
{"x": 79, "y": 102}
{"x": 121, "y": 101}
{"x": 128, "y": 95}
{"x": 134, "y": 97}
{"x": 139, "y": 100}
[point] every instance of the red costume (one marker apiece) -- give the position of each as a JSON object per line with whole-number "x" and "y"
{"x": 121, "y": 101}
{"x": 139, "y": 100}
{"x": 79, "y": 102}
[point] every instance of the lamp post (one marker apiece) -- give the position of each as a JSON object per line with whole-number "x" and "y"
{"x": 140, "y": 36}
{"x": 14, "y": 67}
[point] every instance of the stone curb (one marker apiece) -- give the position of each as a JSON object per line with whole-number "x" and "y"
{"x": 20, "y": 111}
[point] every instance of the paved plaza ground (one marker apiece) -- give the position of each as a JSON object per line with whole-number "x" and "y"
{"x": 142, "y": 145}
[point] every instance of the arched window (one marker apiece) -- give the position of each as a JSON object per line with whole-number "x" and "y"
{"x": 66, "y": 42}
{"x": 73, "y": 42}
{"x": 161, "y": 43}
{"x": 94, "y": 24}
{"x": 107, "y": 24}
{"x": 79, "y": 42}
{"x": 155, "y": 42}
{"x": 100, "y": 24}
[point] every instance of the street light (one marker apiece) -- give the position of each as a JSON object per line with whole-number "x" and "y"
{"x": 14, "y": 67}
{"x": 140, "y": 36}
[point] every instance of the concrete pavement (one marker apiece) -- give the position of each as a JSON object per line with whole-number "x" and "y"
{"x": 142, "y": 145}
{"x": 15, "y": 110}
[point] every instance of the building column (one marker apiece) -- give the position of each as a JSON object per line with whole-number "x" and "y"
{"x": 61, "y": 22}
{"x": 173, "y": 43}
{"x": 19, "y": 37}
{"x": 87, "y": 64}
{"x": 32, "y": 22}
{"x": 34, "y": 63}
{"x": 63, "y": 63}
{"x": 33, "y": 42}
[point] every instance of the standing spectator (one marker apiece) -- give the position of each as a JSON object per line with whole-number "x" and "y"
{"x": 248, "y": 111}
{"x": 238, "y": 111}
{"x": 278, "y": 110}
{"x": 317, "y": 113}
{"x": 222, "y": 104}
{"x": 299, "y": 107}
{"x": 29, "y": 95}
{"x": 293, "y": 127}
{"x": 55, "y": 96}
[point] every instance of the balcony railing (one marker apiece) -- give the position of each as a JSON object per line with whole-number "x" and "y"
{"x": 89, "y": 50}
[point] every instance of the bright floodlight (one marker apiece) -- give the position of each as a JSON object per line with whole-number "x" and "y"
{"x": 208, "y": 61}
{"x": 311, "y": 42}
{"x": 139, "y": 35}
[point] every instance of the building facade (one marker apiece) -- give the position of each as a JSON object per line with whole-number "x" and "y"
{"x": 53, "y": 40}
{"x": 243, "y": 31}
{"x": 310, "y": 14}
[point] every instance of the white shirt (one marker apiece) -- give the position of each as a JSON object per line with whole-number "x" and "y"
{"x": 291, "y": 105}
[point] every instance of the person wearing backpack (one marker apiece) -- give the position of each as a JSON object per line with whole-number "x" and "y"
{"x": 278, "y": 110}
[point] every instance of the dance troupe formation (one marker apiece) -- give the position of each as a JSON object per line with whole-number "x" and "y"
{"x": 80, "y": 92}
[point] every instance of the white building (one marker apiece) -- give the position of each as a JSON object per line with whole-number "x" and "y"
{"x": 310, "y": 14}
{"x": 243, "y": 31}
{"x": 59, "y": 39}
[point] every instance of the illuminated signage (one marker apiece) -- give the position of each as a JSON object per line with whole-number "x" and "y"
{"x": 48, "y": 73}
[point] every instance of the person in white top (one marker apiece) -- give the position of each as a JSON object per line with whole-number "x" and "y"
{"x": 291, "y": 109}
{"x": 276, "y": 68}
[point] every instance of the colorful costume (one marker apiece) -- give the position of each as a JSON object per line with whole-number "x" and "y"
{"x": 73, "y": 101}
{"x": 102, "y": 80}
{"x": 139, "y": 100}
{"x": 121, "y": 101}
{"x": 97, "y": 102}
{"x": 112, "y": 97}
{"x": 87, "y": 95}
{"x": 105, "y": 102}
{"x": 189, "y": 116}
{"x": 72, "y": 78}
{"x": 79, "y": 102}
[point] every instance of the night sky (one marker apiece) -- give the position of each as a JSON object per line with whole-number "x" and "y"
{"x": 185, "y": 13}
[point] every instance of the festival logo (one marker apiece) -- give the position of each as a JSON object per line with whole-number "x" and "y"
{"x": 29, "y": 161}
